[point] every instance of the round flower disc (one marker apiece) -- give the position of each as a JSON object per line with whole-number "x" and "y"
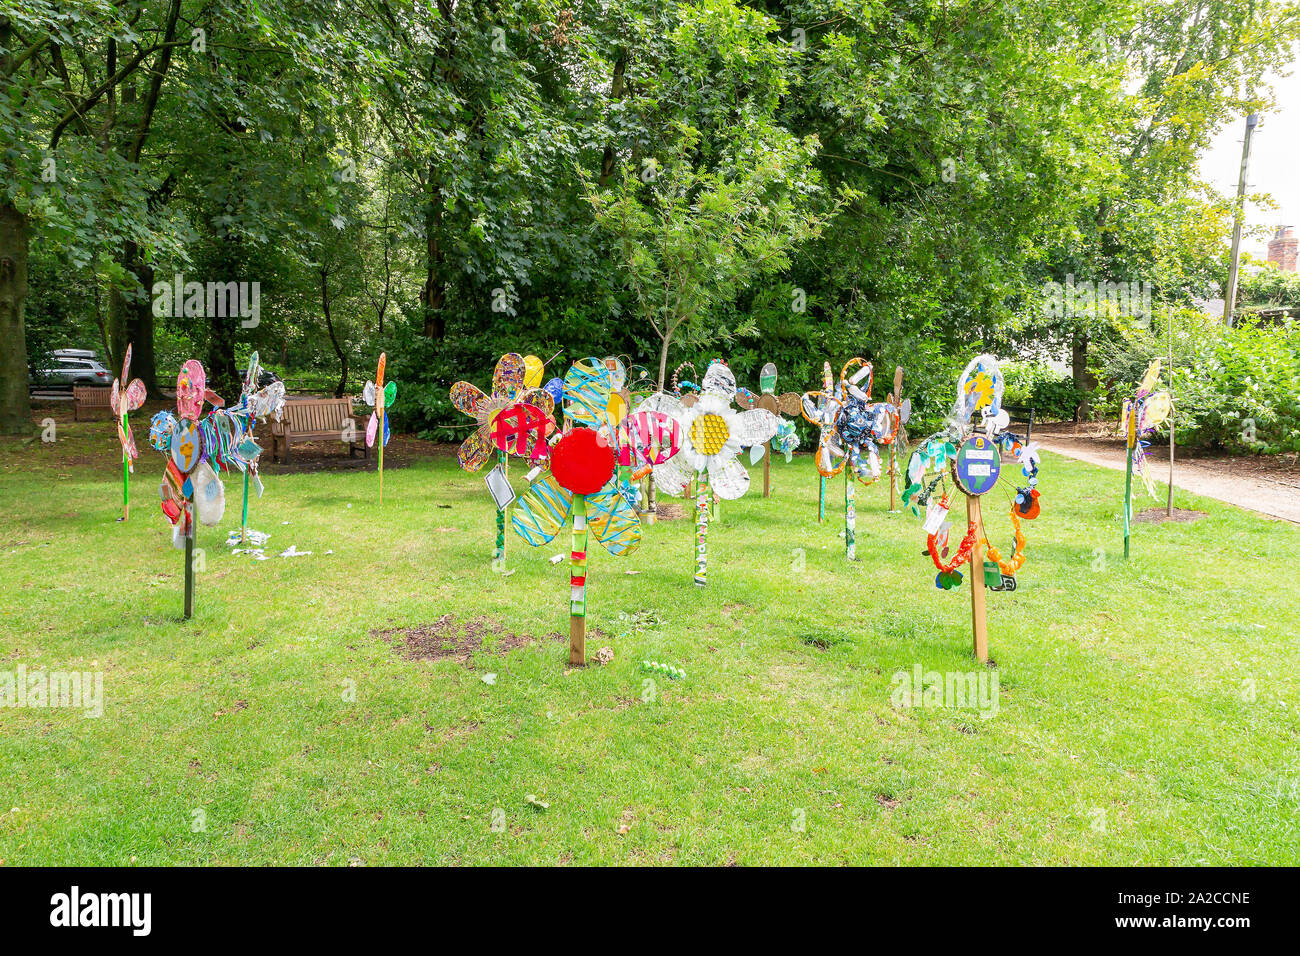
{"x": 709, "y": 433}
{"x": 582, "y": 461}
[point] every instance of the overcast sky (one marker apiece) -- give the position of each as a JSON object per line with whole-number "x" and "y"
{"x": 1274, "y": 163}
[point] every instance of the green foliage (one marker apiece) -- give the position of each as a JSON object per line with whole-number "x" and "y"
{"x": 1052, "y": 394}
{"x": 1243, "y": 390}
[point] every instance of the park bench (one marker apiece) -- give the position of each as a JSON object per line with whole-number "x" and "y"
{"x": 316, "y": 419}
{"x": 89, "y": 397}
{"x": 1023, "y": 415}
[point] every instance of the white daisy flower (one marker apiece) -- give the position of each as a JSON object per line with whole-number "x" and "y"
{"x": 713, "y": 435}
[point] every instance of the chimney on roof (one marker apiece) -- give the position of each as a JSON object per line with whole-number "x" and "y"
{"x": 1282, "y": 249}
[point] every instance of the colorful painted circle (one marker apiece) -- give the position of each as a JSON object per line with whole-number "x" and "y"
{"x": 978, "y": 465}
{"x": 582, "y": 461}
{"x": 709, "y": 433}
{"x": 187, "y": 445}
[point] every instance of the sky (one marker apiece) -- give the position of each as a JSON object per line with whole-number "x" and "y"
{"x": 1274, "y": 163}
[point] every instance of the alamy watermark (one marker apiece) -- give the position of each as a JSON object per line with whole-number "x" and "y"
{"x": 954, "y": 690}
{"x": 1090, "y": 300}
{"x": 211, "y": 300}
{"x": 83, "y": 690}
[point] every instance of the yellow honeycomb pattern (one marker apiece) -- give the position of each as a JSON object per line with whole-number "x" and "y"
{"x": 709, "y": 433}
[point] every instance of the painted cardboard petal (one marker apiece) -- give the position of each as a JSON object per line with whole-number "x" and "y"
{"x": 718, "y": 380}
{"x": 541, "y": 511}
{"x": 753, "y": 427}
{"x": 653, "y": 437}
{"x": 789, "y": 403}
{"x": 372, "y": 428}
{"x": 767, "y": 379}
{"x": 368, "y": 394}
{"x": 464, "y": 397}
{"x": 509, "y": 375}
{"x": 128, "y": 443}
{"x": 730, "y": 481}
{"x": 533, "y": 368}
{"x": 474, "y": 451}
{"x": 614, "y": 521}
{"x": 586, "y": 393}
{"x": 674, "y": 475}
{"x": 191, "y": 384}
{"x": 1154, "y": 411}
{"x": 390, "y": 394}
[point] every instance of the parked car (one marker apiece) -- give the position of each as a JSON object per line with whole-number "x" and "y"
{"x": 64, "y": 368}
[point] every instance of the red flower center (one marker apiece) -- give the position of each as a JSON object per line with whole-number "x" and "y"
{"x": 582, "y": 461}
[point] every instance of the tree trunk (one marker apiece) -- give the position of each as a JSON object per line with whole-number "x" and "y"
{"x": 15, "y": 400}
{"x": 1083, "y": 379}
{"x": 433, "y": 294}
{"x": 329, "y": 325}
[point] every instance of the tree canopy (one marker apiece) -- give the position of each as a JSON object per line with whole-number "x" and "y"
{"x": 450, "y": 180}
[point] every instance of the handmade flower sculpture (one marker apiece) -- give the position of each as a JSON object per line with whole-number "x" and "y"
{"x": 125, "y": 399}
{"x": 190, "y": 486}
{"x": 971, "y": 454}
{"x": 712, "y": 436}
{"x": 1142, "y": 414}
{"x": 821, "y": 408}
{"x": 786, "y": 439}
{"x": 379, "y": 396}
{"x": 515, "y": 419}
{"x": 233, "y": 428}
{"x": 852, "y": 429}
{"x": 580, "y": 486}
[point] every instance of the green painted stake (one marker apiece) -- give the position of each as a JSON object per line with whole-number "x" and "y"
{"x": 126, "y": 478}
{"x": 850, "y": 516}
{"x": 189, "y": 564}
{"x": 1128, "y": 499}
{"x": 821, "y": 502}
{"x": 243, "y": 521}
{"x": 499, "y": 556}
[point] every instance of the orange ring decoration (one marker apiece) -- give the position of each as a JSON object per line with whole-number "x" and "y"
{"x": 1017, "y": 556}
{"x": 963, "y": 550}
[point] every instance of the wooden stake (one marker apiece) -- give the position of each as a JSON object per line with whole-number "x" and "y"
{"x": 979, "y": 625}
{"x": 767, "y": 471}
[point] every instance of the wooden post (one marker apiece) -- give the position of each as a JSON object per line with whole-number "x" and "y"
{"x": 893, "y": 457}
{"x": 187, "y": 515}
{"x": 767, "y": 470}
{"x": 578, "y": 584}
{"x": 979, "y": 625}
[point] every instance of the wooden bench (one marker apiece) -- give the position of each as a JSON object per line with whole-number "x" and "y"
{"x": 316, "y": 419}
{"x": 90, "y": 397}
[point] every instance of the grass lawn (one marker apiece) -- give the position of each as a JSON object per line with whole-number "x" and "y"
{"x": 1126, "y": 732}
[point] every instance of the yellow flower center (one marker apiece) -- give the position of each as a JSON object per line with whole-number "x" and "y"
{"x": 709, "y": 433}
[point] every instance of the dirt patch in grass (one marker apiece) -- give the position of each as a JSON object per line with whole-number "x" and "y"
{"x": 450, "y": 639}
{"x": 1158, "y": 516}
{"x": 668, "y": 511}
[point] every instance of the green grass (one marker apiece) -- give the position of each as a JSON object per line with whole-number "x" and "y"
{"x": 1123, "y": 734}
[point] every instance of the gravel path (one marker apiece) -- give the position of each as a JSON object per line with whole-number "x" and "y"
{"x": 1276, "y": 496}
